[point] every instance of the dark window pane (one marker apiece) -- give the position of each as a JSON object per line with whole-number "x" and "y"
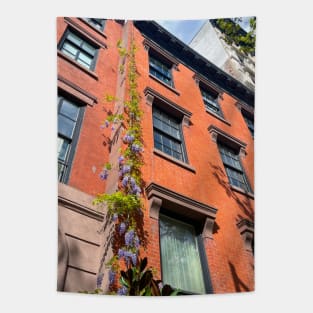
{"x": 69, "y": 109}
{"x": 166, "y": 142}
{"x": 157, "y": 123}
{"x": 157, "y": 137}
{"x": 65, "y": 126}
{"x": 74, "y": 39}
{"x": 88, "y": 48}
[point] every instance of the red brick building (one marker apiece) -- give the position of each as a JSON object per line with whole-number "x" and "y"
{"x": 198, "y": 158}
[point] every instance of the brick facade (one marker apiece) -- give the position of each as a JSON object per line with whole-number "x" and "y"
{"x": 199, "y": 188}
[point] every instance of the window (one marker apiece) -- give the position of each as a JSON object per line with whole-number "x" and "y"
{"x": 69, "y": 119}
{"x": 97, "y": 23}
{"x": 168, "y": 135}
{"x": 249, "y": 121}
{"x": 161, "y": 69}
{"x": 180, "y": 255}
{"x": 233, "y": 167}
{"x": 210, "y": 99}
{"x": 79, "y": 49}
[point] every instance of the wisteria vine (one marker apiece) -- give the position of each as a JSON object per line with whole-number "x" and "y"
{"x": 125, "y": 205}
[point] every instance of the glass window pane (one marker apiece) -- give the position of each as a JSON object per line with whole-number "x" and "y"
{"x": 166, "y": 128}
{"x": 177, "y": 155}
{"x": 65, "y": 126}
{"x": 166, "y": 142}
{"x": 157, "y": 123}
{"x": 73, "y": 38}
{"x": 157, "y": 137}
{"x": 158, "y": 145}
{"x": 63, "y": 148}
{"x": 181, "y": 265}
{"x": 88, "y": 48}
{"x": 84, "y": 58}
{"x": 167, "y": 150}
{"x": 69, "y": 109}
{"x": 69, "y": 50}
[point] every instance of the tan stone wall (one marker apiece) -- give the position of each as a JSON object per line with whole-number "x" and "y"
{"x": 79, "y": 239}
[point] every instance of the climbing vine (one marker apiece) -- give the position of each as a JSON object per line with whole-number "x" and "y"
{"x": 125, "y": 205}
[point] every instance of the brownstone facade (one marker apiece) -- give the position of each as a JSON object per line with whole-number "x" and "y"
{"x": 196, "y": 184}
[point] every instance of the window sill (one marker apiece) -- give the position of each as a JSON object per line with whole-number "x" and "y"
{"x": 173, "y": 160}
{"x": 217, "y": 116}
{"x": 89, "y": 72}
{"x": 165, "y": 85}
{"x": 100, "y": 32}
{"x": 242, "y": 191}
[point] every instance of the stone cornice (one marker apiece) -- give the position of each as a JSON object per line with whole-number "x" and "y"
{"x": 151, "y": 94}
{"x": 217, "y": 132}
{"x": 246, "y": 229}
{"x": 162, "y": 192}
{"x": 85, "y": 33}
{"x": 76, "y": 91}
{"x": 79, "y": 208}
{"x": 150, "y": 44}
{"x": 160, "y": 196}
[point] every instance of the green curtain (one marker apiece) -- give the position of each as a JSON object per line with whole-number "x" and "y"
{"x": 181, "y": 266}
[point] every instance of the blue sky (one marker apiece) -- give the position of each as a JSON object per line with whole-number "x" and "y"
{"x": 185, "y": 30}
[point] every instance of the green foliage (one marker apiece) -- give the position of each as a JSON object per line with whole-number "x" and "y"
{"x": 139, "y": 281}
{"x": 235, "y": 35}
{"x": 119, "y": 202}
{"x": 110, "y": 98}
{"x": 108, "y": 166}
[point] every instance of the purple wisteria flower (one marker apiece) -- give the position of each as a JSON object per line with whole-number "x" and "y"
{"x": 129, "y": 237}
{"x": 112, "y": 275}
{"x": 106, "y": 123}
{"x": 120, "y": 253}
{"x": 134, "y": 258}
{"x": 125, "y": 181}
{"x": 114, "y": 217}
{"x": 104, "y": 174}
{"x": 122, "y": 291}
{"x": 136, "y": 148}
{"x": 132, "y": 182}
{"x": 112, "y": 128}
{"x": 99, "y": 279}
{"x": 128, "y": 138}
{"x": 137, "y": 242}
{"x": 120, "y": 160}
{"x": 122, "y": 228}
{"x": 126, "y": 169}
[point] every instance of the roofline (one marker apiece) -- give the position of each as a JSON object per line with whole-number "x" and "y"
{"x": 198, "y": 56}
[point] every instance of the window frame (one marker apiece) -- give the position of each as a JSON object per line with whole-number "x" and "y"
{"x": 90, "y": 20}
{"x": 233, "y": 168}
{"x": 75, "y": 137}
{"x": 165, "y": 134}
{"x": 250, "y": 117}
{"x": 197, "y": 226}
{"x": 207, "y": 89}
{"x": 165, "y": 63}
{"x": 79, "y": 48}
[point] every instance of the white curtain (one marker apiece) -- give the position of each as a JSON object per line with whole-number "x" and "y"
{"x": 181, "y": 265}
